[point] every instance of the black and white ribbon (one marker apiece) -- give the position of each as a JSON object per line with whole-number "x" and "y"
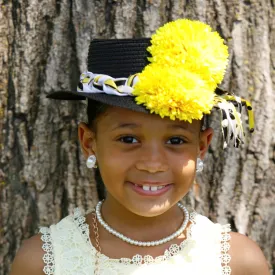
{"x": 100, "y": 83}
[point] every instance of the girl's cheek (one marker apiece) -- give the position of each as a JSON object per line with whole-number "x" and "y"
{"x": 183, "y": 166}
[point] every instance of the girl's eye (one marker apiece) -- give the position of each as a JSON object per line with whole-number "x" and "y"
{"x": 176, "y": 140}
{"x": 128, "y": 139}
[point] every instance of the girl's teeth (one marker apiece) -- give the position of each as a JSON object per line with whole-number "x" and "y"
{"x": 151, "y": 188}
{"x": 146, "y": 187}
{"x": 154, "y": 188}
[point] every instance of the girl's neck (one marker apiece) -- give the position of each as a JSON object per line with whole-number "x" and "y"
{"x": 139, "y": 227}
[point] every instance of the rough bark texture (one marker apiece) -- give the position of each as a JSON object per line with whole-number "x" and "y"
{"x": 43, "y": 47}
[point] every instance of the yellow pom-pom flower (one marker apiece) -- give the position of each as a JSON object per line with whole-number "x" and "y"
{"x": 191, "y": 44}
{"x": 188, "y": 62}
{"x": 174, "y": 92}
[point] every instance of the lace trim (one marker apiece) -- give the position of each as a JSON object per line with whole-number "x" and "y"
{"x": 47, "y": 246}
{"x": 173, "y": 250}
{"x": 225, "y": 246}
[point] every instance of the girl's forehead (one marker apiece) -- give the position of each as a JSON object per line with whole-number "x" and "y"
{"x": 116, "y": 117}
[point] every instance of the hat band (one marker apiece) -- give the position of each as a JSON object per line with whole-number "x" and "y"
{"x": 101, "y": 83}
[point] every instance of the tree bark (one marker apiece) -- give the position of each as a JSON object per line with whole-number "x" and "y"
{"x": 43, "y": 47}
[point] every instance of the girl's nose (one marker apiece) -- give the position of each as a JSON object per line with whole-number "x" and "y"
{"x": 152, "y": 160}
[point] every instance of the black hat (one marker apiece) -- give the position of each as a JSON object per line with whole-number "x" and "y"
{"x": 117, "y": 58}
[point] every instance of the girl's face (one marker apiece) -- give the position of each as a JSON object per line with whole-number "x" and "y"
{"x": 147, "y": 163}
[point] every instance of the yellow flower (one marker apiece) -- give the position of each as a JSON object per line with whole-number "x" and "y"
{"x": 174, "y": 92}
{"x": 191, "y": 44}
{"x": 188, "y": 61}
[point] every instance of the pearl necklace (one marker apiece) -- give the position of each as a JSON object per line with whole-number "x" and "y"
{"x": 139, "y": 243}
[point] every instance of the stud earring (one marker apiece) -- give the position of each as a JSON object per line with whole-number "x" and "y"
{"x": 199, "y": 165}
{"x": 91, "y": 161}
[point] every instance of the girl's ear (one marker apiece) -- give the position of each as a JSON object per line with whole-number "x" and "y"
{"x": 87, "y": 140}
{"x": 205, "y": 140}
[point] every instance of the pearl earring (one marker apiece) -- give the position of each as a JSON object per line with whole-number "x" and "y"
{"x": 199, "y": 165}
{"x": 91, "y": 161}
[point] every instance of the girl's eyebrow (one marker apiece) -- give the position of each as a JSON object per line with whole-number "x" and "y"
{"x": 181, "y": 127}
{"x": 125, "y": 125}
{"x": 135, "y": 125}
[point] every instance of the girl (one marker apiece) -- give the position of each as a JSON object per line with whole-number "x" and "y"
{"x": 146, "y": 139}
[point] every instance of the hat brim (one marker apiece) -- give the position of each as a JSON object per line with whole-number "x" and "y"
{"x": 127, "y": 102}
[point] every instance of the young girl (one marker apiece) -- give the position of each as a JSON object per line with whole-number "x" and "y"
{"x": 146, "y": 102}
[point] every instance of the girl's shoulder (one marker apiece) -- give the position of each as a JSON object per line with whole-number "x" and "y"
{"x": 246, "y": 256}
{"x": 29, "y": 258}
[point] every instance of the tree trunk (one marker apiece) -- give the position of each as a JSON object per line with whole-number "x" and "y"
{"x": 43, "y": 47}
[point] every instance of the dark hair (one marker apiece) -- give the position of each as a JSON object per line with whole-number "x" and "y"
{"x": 94, "y": 110}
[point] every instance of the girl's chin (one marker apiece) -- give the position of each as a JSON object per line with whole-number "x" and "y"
{"x": 148, "y": 205}
{"x": 147, "y": 212}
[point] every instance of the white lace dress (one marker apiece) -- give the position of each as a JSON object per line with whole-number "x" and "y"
{"x": 69, "y": 251}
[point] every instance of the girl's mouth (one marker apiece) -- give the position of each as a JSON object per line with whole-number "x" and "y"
{"x": 150, "y": 190}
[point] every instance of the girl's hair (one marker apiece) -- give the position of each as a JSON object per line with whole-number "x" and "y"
{"x": 94, "y": 110}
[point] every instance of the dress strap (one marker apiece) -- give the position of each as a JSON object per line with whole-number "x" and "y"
{"x": 225, "y": 246}
{"x": 47, "y": 246}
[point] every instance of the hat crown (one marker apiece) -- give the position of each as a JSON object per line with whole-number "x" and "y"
{"x": 118, "y": 57}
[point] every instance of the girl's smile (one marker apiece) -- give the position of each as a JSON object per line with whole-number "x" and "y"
{"x": 152, "y": 189}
